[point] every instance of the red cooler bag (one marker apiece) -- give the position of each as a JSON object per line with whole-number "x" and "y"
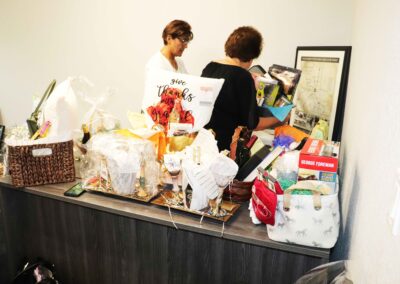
{"x": 264, "y": 199}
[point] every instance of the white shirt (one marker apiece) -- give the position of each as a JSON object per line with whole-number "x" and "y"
{"x": 159, "y": 61}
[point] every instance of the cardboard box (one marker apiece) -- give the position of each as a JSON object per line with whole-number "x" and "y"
{"x": 318, "y": 160}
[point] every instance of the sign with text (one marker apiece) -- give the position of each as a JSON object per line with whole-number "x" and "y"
{"x": 189, "y": 98}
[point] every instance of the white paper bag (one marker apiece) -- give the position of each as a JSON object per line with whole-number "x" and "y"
{"x": 61, "y": 109}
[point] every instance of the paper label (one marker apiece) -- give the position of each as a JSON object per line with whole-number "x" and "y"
{"x": 42, "y": 152}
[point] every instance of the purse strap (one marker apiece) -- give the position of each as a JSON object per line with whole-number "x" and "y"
{"x": 317, "y": 188}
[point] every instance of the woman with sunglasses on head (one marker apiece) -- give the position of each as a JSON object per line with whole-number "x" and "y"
{"x": 236, "y": 104}
{"x": 176, "y": 36}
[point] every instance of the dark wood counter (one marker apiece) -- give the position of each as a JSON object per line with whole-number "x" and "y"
{"x": 100, "y": 239}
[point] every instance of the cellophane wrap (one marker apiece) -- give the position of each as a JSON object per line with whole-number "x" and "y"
{"x": 113, "y": 162}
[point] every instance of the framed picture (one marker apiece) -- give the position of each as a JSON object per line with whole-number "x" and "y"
{"x": 321, "y": 92}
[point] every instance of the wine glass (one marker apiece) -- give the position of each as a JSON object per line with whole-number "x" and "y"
{"x": 173, "y": 165}
{"x": 224, "y": 171}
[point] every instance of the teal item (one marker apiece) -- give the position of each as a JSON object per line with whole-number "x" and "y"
{"x": 286, "y": 183}
{"x": 280, "y": 112}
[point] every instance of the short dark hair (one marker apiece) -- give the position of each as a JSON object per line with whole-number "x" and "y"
{"x": 177, "y": 28}
{"x": 244, "y": 43}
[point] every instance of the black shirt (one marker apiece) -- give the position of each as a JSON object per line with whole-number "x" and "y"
{"x": 236, "y": 103}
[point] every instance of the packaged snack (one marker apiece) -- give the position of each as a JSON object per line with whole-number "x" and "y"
{"x": 288, "y": 79}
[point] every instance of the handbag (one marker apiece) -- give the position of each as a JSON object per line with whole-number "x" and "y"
{"x": 264, "y": 197}
{"x": 238, "y": 191}
{"x": 310, "y": 220}
{"x": 32, "y": 121}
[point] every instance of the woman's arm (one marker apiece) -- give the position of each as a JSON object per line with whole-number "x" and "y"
{"x": 270, "y": 122}
{"x": 267, "y": 122}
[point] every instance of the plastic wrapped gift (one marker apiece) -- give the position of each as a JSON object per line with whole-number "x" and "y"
{"x": 154, "y": 136}
{"x": 113, "y": 163}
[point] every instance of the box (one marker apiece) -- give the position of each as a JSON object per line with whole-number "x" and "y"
{"x": 318, "y": 160}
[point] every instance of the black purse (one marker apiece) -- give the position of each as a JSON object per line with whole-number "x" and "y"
{"x": 33, "y": 120}
{"x": 38, "y": 272}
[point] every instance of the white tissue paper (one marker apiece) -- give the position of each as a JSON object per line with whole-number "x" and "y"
{"x": 117, "y": 159}
{"x": 214, "y": 169}
{"x": 202, "y": 182}
{"x": 61, "y": 108}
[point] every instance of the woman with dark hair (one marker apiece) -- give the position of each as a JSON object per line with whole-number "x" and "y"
{"x": 176, "y": 37}
{"x": 236, "y": 103}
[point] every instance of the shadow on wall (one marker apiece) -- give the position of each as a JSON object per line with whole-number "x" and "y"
{"x": 348, "y": 203}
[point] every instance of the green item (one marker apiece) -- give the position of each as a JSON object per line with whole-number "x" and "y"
{"x": 286, "y": 183}
{"x": 272, "y": 93}
{"x": 33, "y": 120}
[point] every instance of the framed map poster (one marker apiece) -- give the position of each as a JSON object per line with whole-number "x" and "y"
{"x": 321, "y": 92}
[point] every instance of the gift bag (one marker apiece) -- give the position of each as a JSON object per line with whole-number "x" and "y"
{"x": 307, "y": 219}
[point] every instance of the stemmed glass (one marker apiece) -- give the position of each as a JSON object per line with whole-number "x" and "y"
{"x": 224, "y": 171}
{"x": 173, "y": 166}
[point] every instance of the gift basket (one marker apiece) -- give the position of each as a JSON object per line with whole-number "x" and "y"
{"x": 297, "y": 197}
{"x": 121, "y": 166}
{"x": 204, "y": 174}
{"x": 41, "y": 152}
{"x": 36, "y": 164}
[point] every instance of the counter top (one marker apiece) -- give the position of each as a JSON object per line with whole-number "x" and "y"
{"x": 238, "y": 228}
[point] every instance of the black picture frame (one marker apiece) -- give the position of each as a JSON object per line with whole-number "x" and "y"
{"x": 321, "y": 93}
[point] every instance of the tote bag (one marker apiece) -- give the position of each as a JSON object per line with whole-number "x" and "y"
{"x": 310, "y": 220}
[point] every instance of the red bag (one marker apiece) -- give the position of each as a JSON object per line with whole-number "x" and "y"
{"x": 264, "y": 199}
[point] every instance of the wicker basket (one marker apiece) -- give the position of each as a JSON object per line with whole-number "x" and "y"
{"x": 41, "y": 164}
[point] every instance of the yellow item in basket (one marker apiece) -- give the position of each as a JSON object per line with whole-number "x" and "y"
{"x": 42, "y": 131}
{"x": 178, "y": 143}
{"x": 157, "y": 138}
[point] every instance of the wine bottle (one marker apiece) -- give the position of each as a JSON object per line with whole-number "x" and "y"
{"x": 142, "y": 179}
{"x": 251, "y": 141}
{"x": 242, "y": 153}
{"x": 86, "y": 134}
{"x": 174, "y": 116}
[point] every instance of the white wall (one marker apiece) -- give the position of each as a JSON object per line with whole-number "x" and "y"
{"x": 109, "y": 41}
{"x": 370, "y": 144}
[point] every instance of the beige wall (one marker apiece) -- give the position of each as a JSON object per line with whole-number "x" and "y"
{"x": 109, "y": 41}
{"x": 370, "y": 144}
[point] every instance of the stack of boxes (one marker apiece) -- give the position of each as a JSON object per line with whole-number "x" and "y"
{"x": 319, "y": 161}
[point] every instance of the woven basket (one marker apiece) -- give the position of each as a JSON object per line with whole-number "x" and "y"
{"x": 41, "y": 164}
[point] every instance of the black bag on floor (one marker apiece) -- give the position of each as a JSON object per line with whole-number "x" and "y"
{"x": 39, "y": 272}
